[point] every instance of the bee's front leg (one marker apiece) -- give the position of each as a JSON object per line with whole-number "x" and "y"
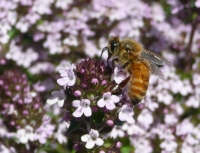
{"x": 125, "y": 65}
{"x": 115, "y": 60}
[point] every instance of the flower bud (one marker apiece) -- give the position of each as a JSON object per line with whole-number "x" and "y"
{"x": 109, "y": 122}
{"x": 77, "y": 93}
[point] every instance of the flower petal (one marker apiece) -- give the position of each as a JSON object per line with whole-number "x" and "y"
{"x": 106, "y": 95}
{"x": 110, "y": 105}
{"x": 76, "y": 103}
{"x": 63, "y": 81}
{"x": 55, "y": 93}
{"x": 24, "y": 139}
{"x": 78, "y": 112}
{"x": 94, "y": 133}
{"x": 130, "y": 120}
{"x": 90, "y": 144}
{"x": 64, "y": 72}
{"x": 31, "y": 136}
{"x": 86, "y": 101}
{"x": 128, "y": 111}
{"x": 99, "y": 142}
{"x": 114, "y": 98}
{"x": 72, "y": 82}
{"x": 85, "y": 137}
{"x": 87, "y": 111}
{"x": 101, "y": 103}
{"x": 121, "y": 116}
{"x": 61, "y": 102}
{"x": 52, "y": 100}
{"x": 119, "y": 75}
{"x": 62, "y": 94}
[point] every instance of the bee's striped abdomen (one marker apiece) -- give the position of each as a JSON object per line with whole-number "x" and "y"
{"x": 139, "y": 81}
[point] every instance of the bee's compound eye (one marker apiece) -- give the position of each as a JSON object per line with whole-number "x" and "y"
{"x": 113, "y": 46}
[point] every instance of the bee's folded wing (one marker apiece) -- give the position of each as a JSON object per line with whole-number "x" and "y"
{"x": 154, "y": 57}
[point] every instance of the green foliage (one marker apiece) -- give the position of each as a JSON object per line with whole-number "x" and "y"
{"x": 126, "y": 146}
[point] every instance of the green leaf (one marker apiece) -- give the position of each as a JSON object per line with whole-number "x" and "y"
{"x": 126, "y": 146}
{"x": 12, "y": 33}
{"x": 51, "y": 114}
{"x": 125, "y": 149}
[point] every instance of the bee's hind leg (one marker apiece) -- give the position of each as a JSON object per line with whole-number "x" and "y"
{"x": 121, "y": 86}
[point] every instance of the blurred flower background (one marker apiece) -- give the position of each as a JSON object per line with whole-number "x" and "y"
{"x": 39, "y": 37}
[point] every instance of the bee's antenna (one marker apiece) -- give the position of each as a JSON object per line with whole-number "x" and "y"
{"x": 105, "y": 48}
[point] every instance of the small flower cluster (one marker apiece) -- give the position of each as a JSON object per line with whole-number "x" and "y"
{"x": 22, "y": 114}
{"x": 91, "y": 101}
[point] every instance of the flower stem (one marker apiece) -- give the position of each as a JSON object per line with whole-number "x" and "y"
{"x": 188, "y": 48}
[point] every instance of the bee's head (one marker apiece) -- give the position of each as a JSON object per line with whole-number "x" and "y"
{"x": 112, "y": 47}
{"x": 113, "y": 44}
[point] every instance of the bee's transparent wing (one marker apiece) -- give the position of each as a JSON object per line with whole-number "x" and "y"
{"x": 151, "y": 66}
{"x": 154, "y": 57}
{"x": 156, "y": 70}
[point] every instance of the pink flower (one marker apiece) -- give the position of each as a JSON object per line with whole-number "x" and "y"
{"x": 58, "y": 97}
{"x": 68, "y": 77}
{"x": 108, "y": 100}
{"x": 184, "y": 127}
{"x": 119, "y": 75}
{"x": 169, "y": 145}
{"x": 145, "y": 118}
{"x": 133, "y": 129}
{"x": 26, "y": 134}
{"x": 45, "y": 130}
{"x": 91, "y": 139}
{"x": 117, "y": 132}
{"x": 126, "y": 114}
{"x": 197, "y": 3}
{"x": 83, "y": 107}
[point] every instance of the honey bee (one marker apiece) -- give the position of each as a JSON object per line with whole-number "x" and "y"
{"x": 138, "y": 62}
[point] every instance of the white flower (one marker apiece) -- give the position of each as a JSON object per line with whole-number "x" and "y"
{"x": 119, "y": 75}
{"x": 193, "y": 101}
{"x": 108, "y": 100}
{"x": 185, "y": 127}
{"x": 91, "y": 139}
{"x": 26, "y": 134}
{"x": 170, "y": 119}
{"x": 68, "y": 77}
{"x": 145, "y": 118}
{"x": 4, "y": 149}
{"x": 169, "y": 145}
{"x": 133, "y": 129}
{"x": 83, "y": 107}
{"x": 126, "y": 114}
{"x": 117, "y": 132}
{"x": 11, "y": 110}
{"x": 61, "y": 129}
{"x": 197, "y": 3}
{"x": 58, "y": 97}
{"x": 45, "y": 131}
{"x": 65, "y": 65}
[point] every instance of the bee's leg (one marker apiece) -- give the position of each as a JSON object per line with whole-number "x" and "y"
{"x": 114, "y": 60}
{"x": 120, "y": 86}
{"x": 105, "y": 48}
{"x": 124, "y": 82}
{"x": 109, "y": 56}
{"x": 125, "y": 65}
